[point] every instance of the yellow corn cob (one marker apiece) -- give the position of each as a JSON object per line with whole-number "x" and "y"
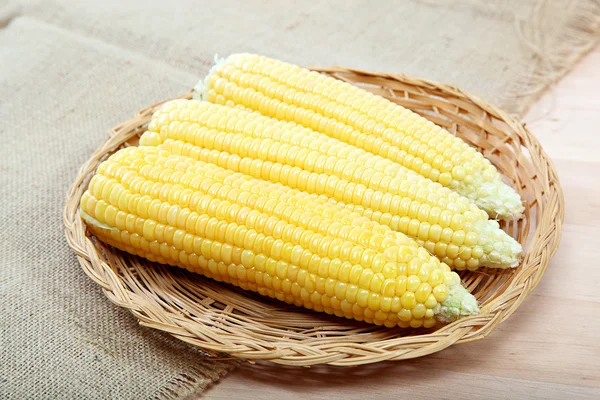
{"x": 355, "y": 116}
{"x": 447, "y": 225}
{"x": 268, "y": 238}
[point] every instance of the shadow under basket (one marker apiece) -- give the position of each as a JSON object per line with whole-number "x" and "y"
{"x": 222, "y": 319}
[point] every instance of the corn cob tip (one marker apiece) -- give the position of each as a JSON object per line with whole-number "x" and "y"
{"x": 459, "y": 303}
{"x": 500, "y": 250}
{"x": 198, "y": 89}
{"x": 496, "y": 198}
{"x": 202, "y": 87}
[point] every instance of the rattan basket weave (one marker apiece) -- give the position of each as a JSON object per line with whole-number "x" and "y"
{"x": 223, "y": 319}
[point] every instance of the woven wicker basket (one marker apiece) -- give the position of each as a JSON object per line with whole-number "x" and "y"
{"x": 223, "y": 319}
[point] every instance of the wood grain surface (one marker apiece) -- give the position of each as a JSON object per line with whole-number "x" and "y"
{"x": 550, "y": 348}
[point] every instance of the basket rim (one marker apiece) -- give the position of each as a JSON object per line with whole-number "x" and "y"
{"x": 546, "y": 237}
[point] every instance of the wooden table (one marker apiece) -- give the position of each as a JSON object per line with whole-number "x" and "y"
{"x": 550, "y": 348}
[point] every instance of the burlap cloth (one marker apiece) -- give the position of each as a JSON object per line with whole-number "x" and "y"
{"x": 69, "y": 70}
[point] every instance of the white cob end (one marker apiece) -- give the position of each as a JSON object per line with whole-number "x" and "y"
{"x": 500, "y": 250}
{"x": 496, "y": 198}
{"x": 459, "y": 303}
{"x": 202, "y": 88}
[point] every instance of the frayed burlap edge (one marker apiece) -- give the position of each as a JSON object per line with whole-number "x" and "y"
{"x": 189, "y": 383}
{"x": 580, "y": 35}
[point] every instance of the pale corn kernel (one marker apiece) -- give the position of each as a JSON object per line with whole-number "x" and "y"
{"x": 431, "y": 301}
{"x": 413, "y": 266}
{"x": 440, "y": 249}
{"x": 409, "y": 301}
{"x": 362, "y": 298}
{"x": 446, "y": 236}
{"x": 440, "y": 292}
{"x": 471, "y": 239}
{"x": 429, "y": 322}
{"x": 436, "y": 278}
{"x": 451, "y": 278}
{"x": 419, "y": 311}
{"x": 459, "y": 264}
{"x": 477, "y": 252}
{"x": 396, "y": 304}
{"x": 413, "y": 283}
{"x": 374, "y": 301}
{"x": 465, "y": 253}
{"x": 472, "y": 264}
{"x": 385, "y": 304}
{"x": 425, "y": 272}
{"x": 423, "y": 292}
{"x": 416, "y": 323}
{"x": 401, "y": 282}
{"x": 405, "y": 315}
{"x": 435, "y": 232}
{"x": 452, "y": 251}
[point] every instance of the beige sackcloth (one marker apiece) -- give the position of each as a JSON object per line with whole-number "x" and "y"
{"x": 70, "y": 70}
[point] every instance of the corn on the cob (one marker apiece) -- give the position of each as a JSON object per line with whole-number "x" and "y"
{"x": 449, "y": 226}
{"x": 268, "y": 238}
{"x": 371, "y": 122}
